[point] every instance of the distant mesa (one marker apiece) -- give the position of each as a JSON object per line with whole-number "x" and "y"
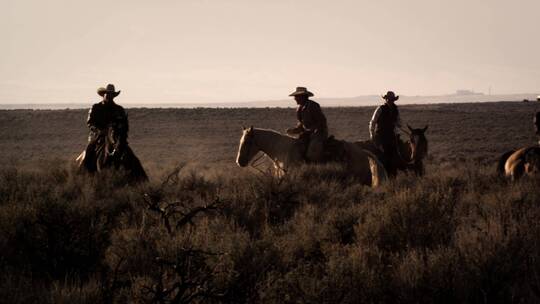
{"x": 467, "y": 92}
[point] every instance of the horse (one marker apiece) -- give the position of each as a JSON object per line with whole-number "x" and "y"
{"x": 110, "y": 150}
{"x": 410, "y": 154}
{"x": 516, "y": 163}
{"x": 287, "y": 152}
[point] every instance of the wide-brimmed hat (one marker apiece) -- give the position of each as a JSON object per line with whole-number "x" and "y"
{"x": 390, "y": 96}
{"x": 301, "y": 91}
{"x": 109, "y": 89}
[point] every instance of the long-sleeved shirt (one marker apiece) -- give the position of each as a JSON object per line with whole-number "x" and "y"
{"x": 103, "y": 114}
{"x": 374, "y": 122}
{"x": 310, "y": 119}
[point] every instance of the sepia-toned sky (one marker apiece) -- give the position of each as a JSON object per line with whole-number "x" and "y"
{"x": 245, "y": 50}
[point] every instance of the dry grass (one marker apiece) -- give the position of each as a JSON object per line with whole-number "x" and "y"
{"x": 164, "y": 137}
{"x": 221, "y": 235}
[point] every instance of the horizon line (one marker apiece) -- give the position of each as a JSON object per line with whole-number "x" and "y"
{"x": 285, "y": 98}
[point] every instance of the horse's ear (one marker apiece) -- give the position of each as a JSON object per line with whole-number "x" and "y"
{"x": 251, "y": 128}
{"x": 410, "y": 129}
{"x": 425, "y": 129}
{"x": 243, "y": 128}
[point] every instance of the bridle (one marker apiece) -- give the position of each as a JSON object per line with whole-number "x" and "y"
{"x": 113, "y": 137}
{"x": 411, "y": 160}
{"x": 249, "y": 143}
{"x": 257, "y": 162}
{"x": 419, "y": 150}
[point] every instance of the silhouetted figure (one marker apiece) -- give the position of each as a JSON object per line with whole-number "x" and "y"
{"x": 107, "y": 143}
{"x": 101, "y": 116}
{"x": 382, "y": 130}
{"x": 311, "y": 124}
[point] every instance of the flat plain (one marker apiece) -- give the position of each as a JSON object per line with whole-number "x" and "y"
{"x": 161, "y": 138}
{"x": 203, "y": 230}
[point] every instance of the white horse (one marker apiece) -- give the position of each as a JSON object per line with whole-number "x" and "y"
{"x": 286, "y": 153}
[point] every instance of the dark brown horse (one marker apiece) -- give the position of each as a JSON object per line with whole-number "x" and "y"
{"x": 110, "y": 150}
{"x": 410, "y": 155}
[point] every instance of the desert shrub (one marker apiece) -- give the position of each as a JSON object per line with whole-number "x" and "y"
{"x": 428, "y": 276}
{"x": 255, "y": 202}
{"x": 315, "y": 236}
{"x": 76, "y": 292}
{"x": 50, "y": 233}
{"x": 421, "y": 216}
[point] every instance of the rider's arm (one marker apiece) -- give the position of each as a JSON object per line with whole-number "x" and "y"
{"x": 91, "y": 120}
{"x": 399, "y": 123}
{"x": 299, "y": 126}
{"x": 373, "y": 121}
{"x": 296, "y": 130}
{"x": 320, "y": 120}
{"x": 126, "y": 122}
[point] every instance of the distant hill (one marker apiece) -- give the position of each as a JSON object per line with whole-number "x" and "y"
{"x": 358, "y": 101}
{"x": 369, "y": 100}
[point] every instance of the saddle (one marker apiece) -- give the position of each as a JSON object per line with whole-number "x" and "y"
{"x": 333, "y": 149}
{"x": 370, "y": 146}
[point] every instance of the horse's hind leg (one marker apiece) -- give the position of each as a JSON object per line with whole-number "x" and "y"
{"x": 502, "y": 162}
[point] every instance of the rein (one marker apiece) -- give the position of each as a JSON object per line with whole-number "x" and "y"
{"x": 115, "y": 141}
{"x": 258, "y": 161}
{"x": 255, "y": 163}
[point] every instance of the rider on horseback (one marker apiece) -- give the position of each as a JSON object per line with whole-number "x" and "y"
{"x": 102, "y": 115}
{"x": 311, "y": 124}
{"x": 382, "y": 130}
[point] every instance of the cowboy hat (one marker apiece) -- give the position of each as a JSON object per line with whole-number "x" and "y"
{"x": 109, "y": 89}
{"x": 301, "y": 91}
{"x": 390, "y": 96}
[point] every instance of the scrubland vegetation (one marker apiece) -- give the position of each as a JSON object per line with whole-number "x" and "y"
{"x": 460, "y": 234}
{"x": 207, "y": 232}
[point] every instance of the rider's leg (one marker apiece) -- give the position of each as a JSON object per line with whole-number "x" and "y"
{"x": 89, "y": 161}
{"x": 315, "y": 151}
{"x": 389, "y": 149}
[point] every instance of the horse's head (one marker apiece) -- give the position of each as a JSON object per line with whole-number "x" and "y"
{"x": 418, "y": 143}
{"x": 116, "y": 139}
{"x": 248, "y": 148}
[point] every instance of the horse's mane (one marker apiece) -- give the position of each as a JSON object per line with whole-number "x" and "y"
{"x": 268, "y": 130}
{"x": 273, "y": 132}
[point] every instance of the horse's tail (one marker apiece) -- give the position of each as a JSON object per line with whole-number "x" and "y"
{"x": 378, "y": 172}
{"x": 502, "y": 162}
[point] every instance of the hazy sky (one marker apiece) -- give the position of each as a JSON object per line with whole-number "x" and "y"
{"x": 244, "y": 50}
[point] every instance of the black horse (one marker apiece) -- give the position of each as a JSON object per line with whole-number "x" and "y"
{"x": 110, "y": 150}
